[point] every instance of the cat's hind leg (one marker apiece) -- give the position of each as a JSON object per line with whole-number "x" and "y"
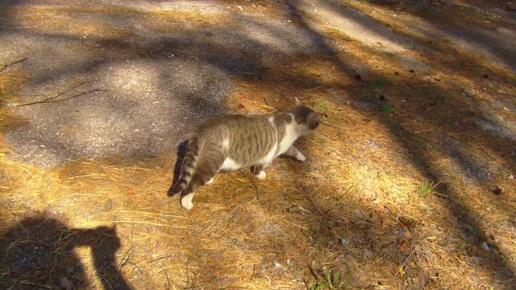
{"x": 257, "y": 170}
{"x": 294, "y": 153}
{"x": 206, "y": 168}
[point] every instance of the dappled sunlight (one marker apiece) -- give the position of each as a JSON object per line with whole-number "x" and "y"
{"x": 405, "y": 185}
{"x": 275, "y": 36}
{"x": 355, "y": 24}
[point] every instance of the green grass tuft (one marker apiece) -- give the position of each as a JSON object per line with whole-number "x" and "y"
{"x": 332, "y": 282}
{"x": 426, "y": 188}
{"x": 382, "y": 81}
{"x": 386, "y": 108}
{"x": 323, "y": 107}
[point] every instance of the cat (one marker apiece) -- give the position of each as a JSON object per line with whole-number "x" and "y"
{"x": 234, "y": 142}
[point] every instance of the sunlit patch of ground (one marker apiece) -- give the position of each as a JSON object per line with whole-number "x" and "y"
{"x": 404, "y": 187}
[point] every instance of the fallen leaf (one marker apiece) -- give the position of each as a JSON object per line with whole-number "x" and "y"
{"x": 497, "y": 190}
{"x": 225, "y": 281}
{"x": 159, "y": 247}
{"x": 486, "y": 247}
{"x": 407, "y": 235}
{"x": 386, "y": 222}
{"x": 317, "y": 175}
{"x": 401, "y": 271}
{"x": 369, "y": 254}
{"x": 64, "y": 283}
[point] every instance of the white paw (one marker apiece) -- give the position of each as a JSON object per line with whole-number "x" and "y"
{"x": 210, "y": 181}
{"x": 300, "y": 157}
{"x": 261, "y": 175}
{"x": 186, "y": 201}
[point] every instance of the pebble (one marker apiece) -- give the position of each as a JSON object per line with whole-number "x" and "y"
{"x": 486, "y": 247}
{"x": 64, "y": 283}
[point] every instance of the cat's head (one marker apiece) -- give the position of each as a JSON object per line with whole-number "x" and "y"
{"x": 306, "y": 118}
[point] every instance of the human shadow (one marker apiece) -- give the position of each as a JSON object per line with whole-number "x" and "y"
{"x": 39, "y": 252}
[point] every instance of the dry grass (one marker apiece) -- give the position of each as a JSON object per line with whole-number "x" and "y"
{"x": 355, "y": 206}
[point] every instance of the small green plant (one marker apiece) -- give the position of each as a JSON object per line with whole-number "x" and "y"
{"x": 323, "y": 107}
{"x": 426, "y": 188}
{"x": 386, "y": 108}
{"x": 318, "y": 139}
{"x": 382, "y": 81}
{"x": 330, "y": 283}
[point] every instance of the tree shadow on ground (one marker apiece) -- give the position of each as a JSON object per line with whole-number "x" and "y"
{"x": 417, "y": 150}
{"x": 39, "y": 252}
{"x": 421, "y": 158}
{"x": 448, "y": 19}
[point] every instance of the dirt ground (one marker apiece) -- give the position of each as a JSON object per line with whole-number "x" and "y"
{"x": 409, "y": 182}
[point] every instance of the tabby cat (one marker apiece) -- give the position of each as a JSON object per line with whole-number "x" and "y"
{"x": 234, "y": 142}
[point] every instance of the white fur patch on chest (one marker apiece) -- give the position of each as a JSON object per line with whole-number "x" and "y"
{"x": 288, "y": 139}
{"x": 230, "y": 165}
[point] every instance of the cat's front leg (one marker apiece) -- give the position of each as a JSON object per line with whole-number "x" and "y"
{"x": 258, "y": 171}
{"x": 294, "y": 153}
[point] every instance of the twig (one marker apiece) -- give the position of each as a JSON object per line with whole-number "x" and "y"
{"x": 412, "y": 249}
{"x": 327, "y": 213}
{"x": 51, "y": 99}
{"x": 67, "y": 90}
{"x": 34, "y": 284}
{"x": 313, "y": 89}
{"x": 246, "y": 73}
{"x": 292, "y": 224}
{"x": 107, "y": 282}
{"x": 306, "y": 284}
{"x": 127, "y": 256}
{"x": 142, "y": 222}
{"x": 187, "y": 271}
{"x": 324, "y": 215}
{"x": 14, "y": 62}
{"x": 258, "y": 195}
{"x": 313, "y": 272}
{"x": 331, "y": 125}
{"x": 150, "y": 213}
{"x": 164, "y": 257}
{"x": 168, "y": 281}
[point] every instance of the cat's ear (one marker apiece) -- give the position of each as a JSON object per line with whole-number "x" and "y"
{"x": 313, "y": 120}
{"x": 298, "y": 102}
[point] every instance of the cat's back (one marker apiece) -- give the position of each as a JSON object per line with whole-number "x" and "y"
{"x": 232, "y": 123}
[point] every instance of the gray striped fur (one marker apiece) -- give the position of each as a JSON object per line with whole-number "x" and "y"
{"x": 234, "y": 142}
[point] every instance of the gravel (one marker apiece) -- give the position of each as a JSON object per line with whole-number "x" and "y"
{"x": 161, "y": 77}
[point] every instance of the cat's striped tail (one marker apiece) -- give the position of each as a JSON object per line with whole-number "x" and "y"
{"x": 187, "y": 168}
